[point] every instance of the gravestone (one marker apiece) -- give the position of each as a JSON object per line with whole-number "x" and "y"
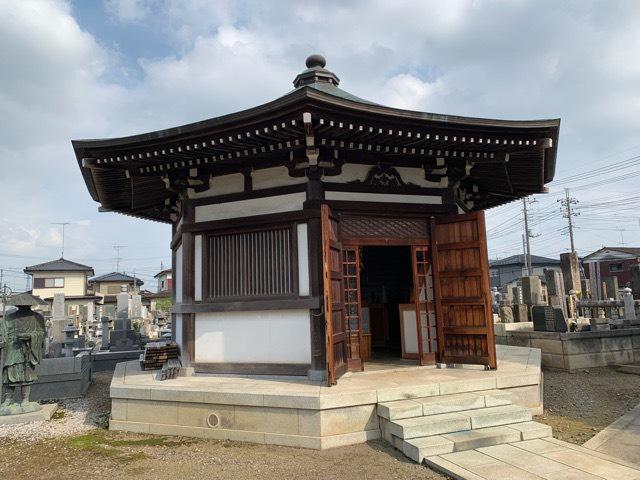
{"x": 516, "y": 292}
{"x": 555, "y": 289}
{"x": 521, "y": 313}
{"x": 548, "y": 319}
{"x": 58, "y": 318}
{"x": 123, "y": 337}
{"x": 506, "y": 314}
{"x": 611, "y": 284}
{"x": 571, "y": 272}
{"x": 634, "y": 273}
{"x": 532, "y": 293}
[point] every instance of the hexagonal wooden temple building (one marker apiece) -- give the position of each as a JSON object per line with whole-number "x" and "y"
{"x": 321, "y": 233}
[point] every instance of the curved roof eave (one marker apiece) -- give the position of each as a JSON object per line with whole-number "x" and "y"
{"x": 309, "y": 92}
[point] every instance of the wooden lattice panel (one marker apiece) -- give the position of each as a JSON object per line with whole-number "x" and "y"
{"x": 369, "y": 226}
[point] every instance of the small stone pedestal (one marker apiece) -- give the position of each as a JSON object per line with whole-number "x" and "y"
{"x": 44, "y": 414}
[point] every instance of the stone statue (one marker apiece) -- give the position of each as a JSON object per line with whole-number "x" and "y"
{"x": 22, "y": 335}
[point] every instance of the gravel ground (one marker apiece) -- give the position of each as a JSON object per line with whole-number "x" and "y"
{"x": 46, "y": 450}
{"x": 74, "y": 416}
{"x": 579, "y": 405}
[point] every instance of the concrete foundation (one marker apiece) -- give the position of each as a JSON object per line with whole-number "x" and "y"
{"x": 297, "y": 412}
{"x": 574, "y": 350}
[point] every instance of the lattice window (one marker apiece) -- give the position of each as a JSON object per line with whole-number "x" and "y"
{"x": 252, "y": 264}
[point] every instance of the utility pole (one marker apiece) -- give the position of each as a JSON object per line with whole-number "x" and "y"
{"x": 569, "y": 214}
{"x": 62, "y": 224}
{"x": 527, "y": 235}
{"x": 117, "y": 249}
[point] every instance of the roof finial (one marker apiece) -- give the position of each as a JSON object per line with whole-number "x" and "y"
{"x": 316, "y": 73}
{"x": 316, "y": 60}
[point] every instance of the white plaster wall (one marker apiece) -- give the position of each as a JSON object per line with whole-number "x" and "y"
{"x": 221, "y": 185}
{"x": 269, "y": 336}
{"x": 384, "y": 197}
{"x": 303, "y": 260}
{"x": 416, "y": 176}
{"x": 253, "y": 206}
{"x": 197, "y": 265}
{"x": 274, "y": 177}
{"x": 178, "y": 281}
{"x": 350, "y": 172}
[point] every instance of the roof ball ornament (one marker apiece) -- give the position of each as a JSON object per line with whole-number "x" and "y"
{"x": 316, "y": 60}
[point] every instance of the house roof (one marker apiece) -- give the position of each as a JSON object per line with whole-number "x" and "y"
{"x": 634, "y": 251}
{"x": 60, "y": 265}
{"x": 519, "y": 260}
{"x": 163, "y": 272}
{"x": 116, "y": 277}
{"x": 495, "y": 160}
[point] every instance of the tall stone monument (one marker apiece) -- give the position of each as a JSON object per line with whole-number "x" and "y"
{"x": 123, "y": 337}
{"x": 555, "y": 289}
{"x": 571, "y": 272}
{"x": 532, "y": 293}
{"x": 58, "y": 318}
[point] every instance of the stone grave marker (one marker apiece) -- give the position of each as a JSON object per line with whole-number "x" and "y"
{"x": 123, "y": 337}
{"x": 548, "y": 319}
{"x": 555, "y": 288}
{"x": 532, "y": 293}
{"x": 506, "y": 314}
{"x": 58, "y": 318}
{"x": 521, "y": 313}
{"x": 611, "y": 284}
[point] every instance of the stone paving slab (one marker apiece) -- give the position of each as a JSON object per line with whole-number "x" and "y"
{"x": 621, "y": 438}
{"x": 548, "y": 458}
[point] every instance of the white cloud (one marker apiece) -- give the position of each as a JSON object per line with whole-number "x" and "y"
{"x": 523, "y": 59}
{"x": 128, "y": 10}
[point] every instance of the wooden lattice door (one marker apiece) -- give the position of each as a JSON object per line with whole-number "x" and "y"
{"x": 334, "y": 311}
{"x": 423, "y": 296}
{"x": 353, "y": 310}
{"x": 462, "y": 295}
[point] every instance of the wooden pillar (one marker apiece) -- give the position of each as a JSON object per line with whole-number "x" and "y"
{"x": 315, "y": 194}
{"x": 188, "y": 285}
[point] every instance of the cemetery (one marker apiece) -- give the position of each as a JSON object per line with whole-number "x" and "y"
{"x": 346, "y": 283}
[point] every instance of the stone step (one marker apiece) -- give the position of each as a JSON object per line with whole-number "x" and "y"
{"x": 496, "y": 416}
{"x": 431, "y": 425}
{"x": 436, "y": 405}
{"x": 419, "y": 448}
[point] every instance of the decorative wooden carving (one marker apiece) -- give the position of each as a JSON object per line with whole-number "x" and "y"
{"x": 383, "y": 175}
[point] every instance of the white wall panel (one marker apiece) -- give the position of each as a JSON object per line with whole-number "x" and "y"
{"x": 253, "y": 206}
{"x": 197, "y": 267}
{"x": 384, "y": 197}
{"x": 274, "y": 177}
{"x": 303, "y": 260}
{"x": 268, "y": 336}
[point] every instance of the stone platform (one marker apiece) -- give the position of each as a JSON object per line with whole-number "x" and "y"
{"x": 41, "y": 415}
{"x": 294, "y": 411}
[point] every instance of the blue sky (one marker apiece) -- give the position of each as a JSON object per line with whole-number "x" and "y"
{"x": 95, "y": 69}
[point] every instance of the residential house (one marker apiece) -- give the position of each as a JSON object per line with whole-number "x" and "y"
{"x": 67, "y": 277}
{"x": 607, "y": 262}
{"x": 107, "y": 286}
{"x": 165, "y": 280}
{"x": 510, "y": 269}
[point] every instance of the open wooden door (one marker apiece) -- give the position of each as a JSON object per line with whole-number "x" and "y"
{"x": 352, "y": 304}
{"x": 462, "y": 295}
{"x": 423, "y": 297}
{"x": 334, "y": 313}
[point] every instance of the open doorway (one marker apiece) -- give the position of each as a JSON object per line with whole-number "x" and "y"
{"x": 386, "y": 283}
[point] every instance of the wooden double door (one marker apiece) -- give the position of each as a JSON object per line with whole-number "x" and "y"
{"x": 450, "y": 281}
